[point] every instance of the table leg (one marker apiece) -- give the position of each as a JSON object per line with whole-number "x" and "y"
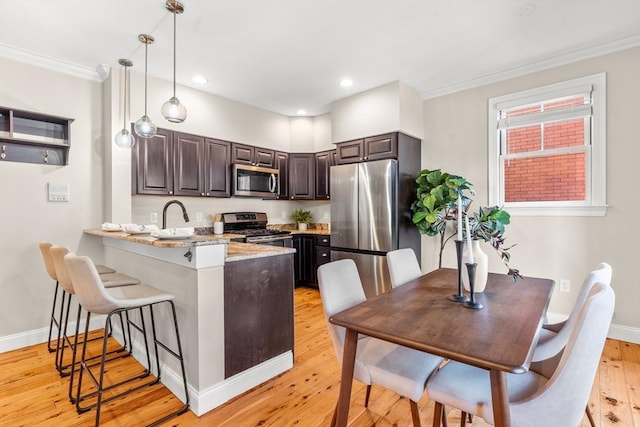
{"x": 500, "y": 398}
{"x": 348, "y": 363}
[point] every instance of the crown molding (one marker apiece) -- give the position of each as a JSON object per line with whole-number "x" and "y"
{"x": 550, "y": 62}
{"x": 33, "y": 58}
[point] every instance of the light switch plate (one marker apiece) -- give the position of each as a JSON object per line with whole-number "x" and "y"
{"x": 59, "y": 192}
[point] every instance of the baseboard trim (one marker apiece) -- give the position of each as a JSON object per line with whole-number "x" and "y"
{"x": 39, "y": 336}
{"x": 624, "y": 333}
{"x": 218, "y": 394}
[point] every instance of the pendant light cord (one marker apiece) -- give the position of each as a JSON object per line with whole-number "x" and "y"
{"x": 174, "y": 54}
{"x": 124, "y": 107}
{"x": 146, "y": 48}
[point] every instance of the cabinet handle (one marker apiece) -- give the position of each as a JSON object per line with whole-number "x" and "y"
{"x": 207, "y": 194}
{"x": 291, "y": 197}
{"x": 202, "y": 194}
{"x": 3, "y": 155}
{"x": 324, "y": 255}
{"x": 366, "y": 158}
{"x": 170, "y": 192}
{"x": 46, "y": 156}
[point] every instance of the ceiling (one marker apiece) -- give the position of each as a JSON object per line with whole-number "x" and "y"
{"x": 286, "y": 55}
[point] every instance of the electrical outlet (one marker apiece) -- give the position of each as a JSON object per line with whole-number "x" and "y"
{"x": 565, "y": 285}
{"x": 199, "y": 216}
{"x": 153, "y": 218}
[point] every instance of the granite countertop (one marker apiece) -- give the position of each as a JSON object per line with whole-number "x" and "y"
{"x": 241, "y": 251}
{"x": 146, "y": 239}
{"x": 235, "y": 251}
{"x": 324, "y": 232}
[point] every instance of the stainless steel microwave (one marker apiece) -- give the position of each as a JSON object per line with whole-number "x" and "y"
{"x": 255, "y": 181}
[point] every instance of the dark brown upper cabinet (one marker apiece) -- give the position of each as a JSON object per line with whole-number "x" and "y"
{"x": 282, "y": 164}
{"x": 29, "y": 137}
{"x": 153, "y": 161}
{"x": 367, "y": 149}
{"x": 254, "y": 156}
{"x": 217, "y": 171}
{"x": 188, "y": 165}
{"x": 324, "y": 160}
{"x": 301, "y": 176}
{"x": 179, "y": 164}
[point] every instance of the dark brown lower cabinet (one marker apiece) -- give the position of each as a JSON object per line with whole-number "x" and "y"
{"x": 258, "y": 311}
{"x": 312, "y": 250}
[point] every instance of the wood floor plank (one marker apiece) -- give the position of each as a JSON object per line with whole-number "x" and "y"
{"x": 32, "y": 393}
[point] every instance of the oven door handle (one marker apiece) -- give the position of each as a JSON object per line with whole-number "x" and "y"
{"x": 268, "y": 239}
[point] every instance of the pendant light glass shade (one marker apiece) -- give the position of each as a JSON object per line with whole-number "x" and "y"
{"x": 173, "y": 110}
{"x": 124, "y": 139}
{"x": 144, "y": 127}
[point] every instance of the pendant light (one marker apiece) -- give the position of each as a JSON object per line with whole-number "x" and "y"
{"x": 124, "y": 138}
{"x": 173, "y": 110}
{"x": 144, "y": 127}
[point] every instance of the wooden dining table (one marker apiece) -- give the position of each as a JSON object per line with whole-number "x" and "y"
{"x": 500, "y": 337}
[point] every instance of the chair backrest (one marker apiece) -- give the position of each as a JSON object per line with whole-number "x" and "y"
{"x": 57, "y": 255}
{"x": 340, "y": 288}
{"x": 48, "y": 261}
{"x": 566, "y": 394}
{"x": 88, "y": 285}
{"x": 602, "y": 274}
{"x": 403, "y": 266}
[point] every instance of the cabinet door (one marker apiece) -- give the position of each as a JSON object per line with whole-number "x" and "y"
{"x": 282, "y": 164}
{"x": 381, "y": 147}
{"x": 323, "y": 162}
{"x": 308, "y": 256}
{"x": 243, "y": 154}
{"x": 350, "y": 152}
{"x": 155, "y": 164}
{"x": 217, "y": 170}
{"x": 188, "y": 165}
{"x": 297, "y": 259}
{"x": 301, "y": 176}
{"x": 264, "y": 157}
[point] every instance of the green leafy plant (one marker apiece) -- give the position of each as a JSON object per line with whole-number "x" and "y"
{"x": 488, "y": 224}
{"x": 435, "y": 203}
{"x": 436, "y": 206}
{"x": 300, "y": 216}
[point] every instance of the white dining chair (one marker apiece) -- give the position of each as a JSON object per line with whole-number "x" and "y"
{"x": 397, "y": 368}
{"x": 403, "y": 266}
{"x": 553, "y": 337}
{"x": 534, "y": 400}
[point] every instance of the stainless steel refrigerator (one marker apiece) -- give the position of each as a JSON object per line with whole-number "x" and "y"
{"x": 369, "y": 219}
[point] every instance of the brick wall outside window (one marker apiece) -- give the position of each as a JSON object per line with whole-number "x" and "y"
{"x": 546, "y": 178}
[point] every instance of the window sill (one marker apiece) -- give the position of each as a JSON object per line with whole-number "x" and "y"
{"x": 556, "y": 210}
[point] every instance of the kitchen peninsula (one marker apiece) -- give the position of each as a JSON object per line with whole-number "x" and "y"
{"x": 234, "y": 304}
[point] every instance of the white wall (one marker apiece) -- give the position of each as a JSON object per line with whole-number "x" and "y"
{"x": 26, "y": 217}
{"x": 555, "y": 247}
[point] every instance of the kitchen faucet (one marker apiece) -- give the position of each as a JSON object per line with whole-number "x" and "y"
{"x": 164, "y": 212}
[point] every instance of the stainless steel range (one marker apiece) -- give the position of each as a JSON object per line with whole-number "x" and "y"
{"x": 253, "y": 225}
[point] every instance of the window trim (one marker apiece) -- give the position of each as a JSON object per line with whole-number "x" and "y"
{"x": 595, "y": 203}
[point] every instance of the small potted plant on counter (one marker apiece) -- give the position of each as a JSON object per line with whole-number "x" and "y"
{"x": 302, "y": 218}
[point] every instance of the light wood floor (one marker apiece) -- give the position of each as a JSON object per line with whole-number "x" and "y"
{"x": 32, "y": 393}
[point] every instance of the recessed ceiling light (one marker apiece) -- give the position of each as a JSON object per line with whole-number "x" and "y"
{"x": 301, "y": 112}
{"x": 346, "y": 83}
{"x": 199, "y": 79}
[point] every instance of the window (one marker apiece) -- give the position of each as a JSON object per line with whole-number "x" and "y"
{"x": 547, "y": 149}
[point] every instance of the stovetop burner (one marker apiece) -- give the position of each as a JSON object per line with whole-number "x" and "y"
{"x": 249, "y": 224}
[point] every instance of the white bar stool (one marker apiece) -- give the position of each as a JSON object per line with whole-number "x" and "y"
{"x": 96, "y": 299}
{"x": 57, "y": 254}
{"x": 51, "y": 271}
